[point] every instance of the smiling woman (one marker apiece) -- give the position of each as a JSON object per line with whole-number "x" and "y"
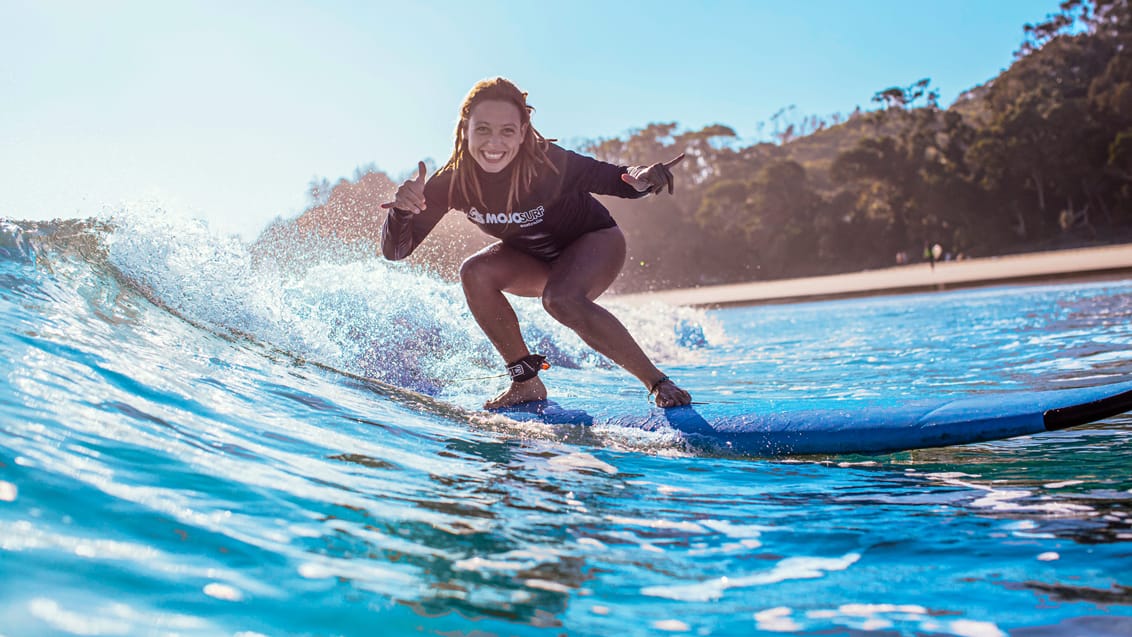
{"x": 495, "y": 138}
{"x": 556, "y": 241}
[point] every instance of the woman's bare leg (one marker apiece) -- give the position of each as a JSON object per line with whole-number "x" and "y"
{"x": 568, "y": 287}
{"x": 485, "y": 276}
{"x": 584, "y": 271}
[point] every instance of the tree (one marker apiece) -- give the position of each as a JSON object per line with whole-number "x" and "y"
{"x": 318, "y": 191}
{"x": 907, "y": 96}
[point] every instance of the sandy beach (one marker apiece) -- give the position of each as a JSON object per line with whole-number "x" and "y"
{"x": 1086, "y": 263}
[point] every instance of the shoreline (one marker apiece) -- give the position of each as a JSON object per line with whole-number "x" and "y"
{"x": 1105, "y": 262}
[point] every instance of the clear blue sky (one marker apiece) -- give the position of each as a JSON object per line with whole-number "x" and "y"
{"x": 225, "y": 110}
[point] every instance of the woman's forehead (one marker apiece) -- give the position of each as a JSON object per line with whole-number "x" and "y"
{"x": 496, "y": 112}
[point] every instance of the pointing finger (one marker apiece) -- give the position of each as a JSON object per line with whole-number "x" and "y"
{"x": 660, "y": 178}
{"x": 672, "y": 162}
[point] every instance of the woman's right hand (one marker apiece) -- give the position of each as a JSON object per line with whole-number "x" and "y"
{"x": 653, "y": 179}
{"x": 410, "y": 195}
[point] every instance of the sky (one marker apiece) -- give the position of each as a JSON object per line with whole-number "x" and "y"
{"x": 226, "y": 110}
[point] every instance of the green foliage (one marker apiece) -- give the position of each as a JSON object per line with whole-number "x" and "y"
{"x": 1040, "y": 156}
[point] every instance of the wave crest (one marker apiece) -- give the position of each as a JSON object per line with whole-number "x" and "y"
{"x": 329, "y": 301}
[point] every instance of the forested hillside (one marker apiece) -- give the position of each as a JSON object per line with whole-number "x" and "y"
{"x": 1038, "y": 158}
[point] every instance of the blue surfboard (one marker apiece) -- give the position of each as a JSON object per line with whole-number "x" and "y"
{"x": 772, "y": 428}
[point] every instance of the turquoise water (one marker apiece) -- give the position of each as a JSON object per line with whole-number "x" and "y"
{"x": 196, "y": 439}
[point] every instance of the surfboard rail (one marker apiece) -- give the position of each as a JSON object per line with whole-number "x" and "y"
{"x": 1082, "y": 414}
{"x": 779, "y": 429}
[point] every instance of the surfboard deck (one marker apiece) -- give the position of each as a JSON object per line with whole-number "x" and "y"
{"x": 778, "y": 428}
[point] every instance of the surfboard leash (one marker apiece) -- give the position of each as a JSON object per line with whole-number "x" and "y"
{"x": 529, "y": 366}
{"x": 523, "y": 369}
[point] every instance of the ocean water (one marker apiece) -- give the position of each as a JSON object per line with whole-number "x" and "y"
{"x": 202, "y": 438}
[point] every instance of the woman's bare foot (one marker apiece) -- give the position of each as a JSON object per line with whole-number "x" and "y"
{"x": 518, "y": 392}
{"x": 669, "y": 395}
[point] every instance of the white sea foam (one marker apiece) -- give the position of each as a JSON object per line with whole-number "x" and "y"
{"x": 547, "y": 585}
{"x": 223, "y": 592}
{"x": 791, "y": 568}
{"x": 737, "y": 531}
{"x": 668, "y": 525}
{"x": 356, "y": 311}
{"x": 578, "y": 461}
{"x": 108, "y": 619}
{"x": 973, "y": 628}
{"x": 671, "y": 625}
{"x": 777, "y": 620}
{"x": 904, "y": 618}
{"x": 1013, "y": 500}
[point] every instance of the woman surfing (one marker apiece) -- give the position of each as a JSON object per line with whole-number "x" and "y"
{"x": 556, "y": 241}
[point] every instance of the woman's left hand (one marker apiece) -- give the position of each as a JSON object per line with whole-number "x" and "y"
{"x": 653, "y": 178}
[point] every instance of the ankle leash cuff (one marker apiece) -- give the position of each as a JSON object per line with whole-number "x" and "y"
{"x": 527, "y": 367}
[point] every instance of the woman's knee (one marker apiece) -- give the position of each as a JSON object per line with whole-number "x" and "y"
{"x": 484, "y": 270}
{"x": 502, "y": 269}
{"x": 474, "y": 269}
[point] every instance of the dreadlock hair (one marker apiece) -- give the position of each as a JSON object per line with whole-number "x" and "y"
{"x": 531, "y": 155}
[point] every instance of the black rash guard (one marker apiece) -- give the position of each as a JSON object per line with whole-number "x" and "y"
{"x": 556, "y": 210}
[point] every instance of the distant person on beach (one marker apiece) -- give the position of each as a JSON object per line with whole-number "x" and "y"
{"x": 932, "y": 253}
{"x": 556, "y": 241}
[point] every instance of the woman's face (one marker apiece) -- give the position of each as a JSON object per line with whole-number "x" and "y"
{"x": 495, "y": 134}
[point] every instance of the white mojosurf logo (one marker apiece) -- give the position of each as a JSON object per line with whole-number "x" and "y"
{"x": 523, "y": 219}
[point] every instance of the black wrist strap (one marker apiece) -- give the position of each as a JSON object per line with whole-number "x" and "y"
{"x": 527, "y": 367}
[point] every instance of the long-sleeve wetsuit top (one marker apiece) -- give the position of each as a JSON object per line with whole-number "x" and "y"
{"x": 557, "y": 209}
